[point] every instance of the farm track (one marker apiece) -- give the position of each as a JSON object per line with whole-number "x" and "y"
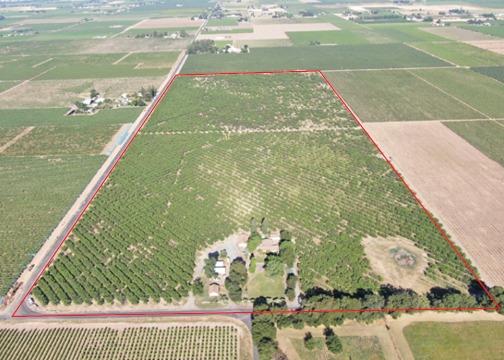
{"x": 248, "y": 131}
{"x": 16, "y": 138}
{"x": 27, "y": 81}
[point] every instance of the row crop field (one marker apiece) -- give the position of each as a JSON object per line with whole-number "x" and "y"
{"x": 198, "y": 342}
{"x": 486, "y": 136}
{"x": 319, "y": 57}
{"x": 462, "y": 54}
{"x": 175, "y": 193}
{"x": 87, "y": 66}
{"x": 43, "y": 172}
{"x": 439, "y": 94}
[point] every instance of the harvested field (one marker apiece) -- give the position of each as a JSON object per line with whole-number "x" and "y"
{"x": 457, "y": 34}
{"x": 460, "y": 185}
{"x": 496, "y": 46}
{"x": 167, "y": 23}
{"x": 62, "y": 93}
{"x": 398, "y": 262}
{"x": 268, "y": 32}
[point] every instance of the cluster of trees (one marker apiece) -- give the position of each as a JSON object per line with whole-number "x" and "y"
{"x": 202, "y": 47}
{"x": 209, "y": 267}
{"x": 290, "y": 286}
{"x": 236, "y": 279}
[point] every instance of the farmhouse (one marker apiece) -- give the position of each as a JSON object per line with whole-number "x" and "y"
{"x": 214, "y": 290}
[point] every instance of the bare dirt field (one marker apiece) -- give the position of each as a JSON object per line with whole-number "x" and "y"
{"x": 166, "y": 23}
{"x": 497, "y": 46}
{"x": 384, "y": 255}
{"x": 61, "y": 93}
{"x": 457, "y": 34}
{"x": 66, "y": 20}
{"x": 272, "y": 31}
{"x": 460, "y": 185}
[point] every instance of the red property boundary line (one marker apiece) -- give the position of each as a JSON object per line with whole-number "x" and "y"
{"x": 356, "y": 118}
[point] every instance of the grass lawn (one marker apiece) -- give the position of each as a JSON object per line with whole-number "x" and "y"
{"x": 462, "y": 54}
{"x": 388, "y": 96}
{"x": 466, "y": 340}
{"x": 487, "y": 136}
{"x": 261, "y": 284}
{"x": 354, "y": 347}
{"x": 314, "y": 57}
{"x": 336, "y": 37}
{"x": 479, "y": 91}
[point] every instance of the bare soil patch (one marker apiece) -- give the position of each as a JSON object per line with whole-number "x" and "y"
{"x": 460, "y": 185}
{"x": 270, "y": 31}
{"x": 398, "y": 262}
{"x": 61, "y": 93}
{"x": 166, "y": 23}
{"x": 497, "y": 46}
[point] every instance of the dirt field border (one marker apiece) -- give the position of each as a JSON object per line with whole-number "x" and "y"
{"x": 146, "y": 118}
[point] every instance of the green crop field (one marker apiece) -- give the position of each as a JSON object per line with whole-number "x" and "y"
{"x": 465, "y": 340}
{"x": 404, "y": 32}
{"x": 337, "y": 37}
{"x": 29, "y": 214}
{"x": 59, "y": 155}
{"x": 87, "y": 66}
{"x": 63, "y": 140}
{"x": 397, "y": 95}
{"x": 496, "y": 72}
{"x": 480, "y": 92}
{"x": 487, "y": 136}
{"x": 462, "y": 54}
{"x": 314, "y": 57}
{"x": 217, "y": 342}
{"x": 176, "y": 193}
{"x": 56, "y": 117}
